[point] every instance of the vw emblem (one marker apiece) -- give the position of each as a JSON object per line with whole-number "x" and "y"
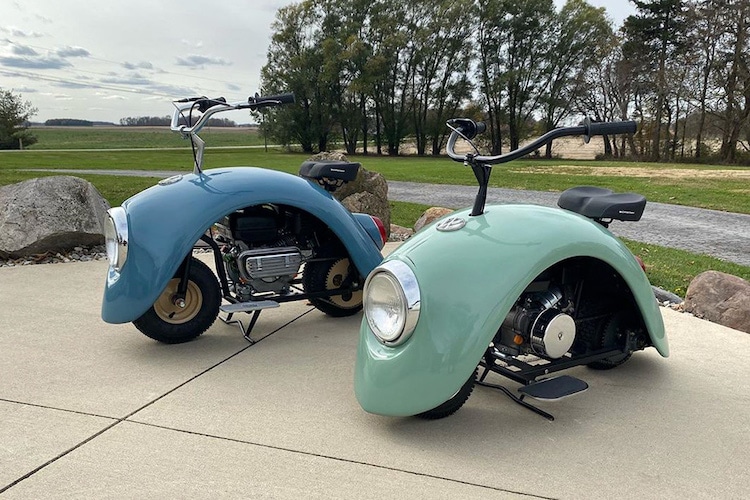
{"x": 451, "y": 224}
{"x": 170, "y": 180}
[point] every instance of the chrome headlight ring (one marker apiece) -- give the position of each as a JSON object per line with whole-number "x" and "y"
{"x": 116, "y": 237}
{"x": 392, "y": 302}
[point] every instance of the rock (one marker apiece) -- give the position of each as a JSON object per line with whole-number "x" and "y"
{"x": 50, "y": 214}
{"x": 368, "y": 182}
{"x": 368, "y": 203}
{"x": 400, "y": 233}
{"x": 328, "y": 155}
{"x": 664, "y": 297}
{"x": 720, "y": 298}
{"x": 430, "y": 216}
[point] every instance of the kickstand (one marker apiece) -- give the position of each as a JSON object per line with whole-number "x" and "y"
{"x": 245, "y": 331}
{"x": 516, "y": 399}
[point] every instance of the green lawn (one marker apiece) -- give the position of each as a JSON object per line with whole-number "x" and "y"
{"x": 718, "y": 188}
{"x": 136, "y": 137}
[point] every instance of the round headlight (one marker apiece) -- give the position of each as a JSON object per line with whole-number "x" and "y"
{"x": 392, "y": 302}
{"x": 116, "y": 237}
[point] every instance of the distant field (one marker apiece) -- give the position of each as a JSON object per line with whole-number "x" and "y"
{"x": 137, "y": 137}
{"x": 705, "y": 186}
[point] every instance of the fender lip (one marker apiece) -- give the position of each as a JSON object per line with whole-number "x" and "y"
{"x": 165, "y": 221}
{"x": 457, "y": 323}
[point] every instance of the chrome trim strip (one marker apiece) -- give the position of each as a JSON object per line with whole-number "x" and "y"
{"x": 407, "y": 281}
{"x": 119, "y": 218}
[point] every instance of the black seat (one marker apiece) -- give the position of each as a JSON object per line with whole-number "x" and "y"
{"x": 329, "y": 169}
{"x": 599, "y": 203}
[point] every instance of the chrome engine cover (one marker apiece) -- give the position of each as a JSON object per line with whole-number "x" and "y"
{"x": 538, "y": 325}
{"x": 269, "y": 263}
{"x": 552, "y": 334}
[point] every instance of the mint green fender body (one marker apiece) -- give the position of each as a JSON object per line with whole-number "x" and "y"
{"x": 469, "y": 280}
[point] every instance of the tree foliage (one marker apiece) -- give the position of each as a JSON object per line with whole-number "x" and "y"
{"x": 376, "y": 73}
{"x": 14, "y": 121}
{"x": 68, "y": 122}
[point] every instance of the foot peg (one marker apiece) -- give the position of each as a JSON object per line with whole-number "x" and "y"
{"x": 254, "y": 307}
{"x": 549, "y": 389}
{"x": 554, "y": 388}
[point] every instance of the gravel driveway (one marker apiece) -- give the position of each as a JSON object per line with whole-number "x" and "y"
{"x": 720, "y": 234}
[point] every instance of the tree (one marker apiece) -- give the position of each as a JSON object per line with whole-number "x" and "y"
{"x": 655, "y": 36}
{"x": 14, "y": 119}
{"x": 296, "y": 63}
{"x": 734, "y": 73}
{"x": 443, "y": 57}
{"x": 514, "y": 38}
{"x": 581, "y": 38}
{"x": 705, "y": 37}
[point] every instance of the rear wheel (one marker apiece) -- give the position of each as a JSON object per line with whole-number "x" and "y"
{"x": 174, "y": 322}
{"x": 614, "y": 334}
{"x": 454, "y": 403}
{"x": 330, "y": 275}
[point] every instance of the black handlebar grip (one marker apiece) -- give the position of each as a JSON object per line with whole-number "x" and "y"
{"x": 610, "y": 128}
{"x": 204, "y": 103}
{"x": 279, "y": 98}
{"x": 468, "y": 127}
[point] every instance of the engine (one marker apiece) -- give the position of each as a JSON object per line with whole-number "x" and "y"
{"x": 538, "y": 324}
{"x": 265, "y": 247}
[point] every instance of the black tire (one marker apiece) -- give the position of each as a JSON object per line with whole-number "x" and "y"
{"x": 328, "y": 275}
{"x": 170, "y": 324}
{"x": 454, "y": 403}
{"x": 613, "y": 334}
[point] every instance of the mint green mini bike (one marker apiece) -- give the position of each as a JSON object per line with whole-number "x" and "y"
{"x": 520, "y": 290}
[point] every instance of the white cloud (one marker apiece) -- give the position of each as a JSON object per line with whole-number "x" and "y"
{"x": 197, "y": 61}
{"x": 41, "y": 62}
{"x": 138, "y": 65}
{"x": 22, "y": 50}
{"x": 72, "y": 52}
{"x": 12, "y": 30}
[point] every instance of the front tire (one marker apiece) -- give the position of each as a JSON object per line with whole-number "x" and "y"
{"x": 454, "y": 403}
{"x": 171, "y": 324}
{"x": 330, "y": 275}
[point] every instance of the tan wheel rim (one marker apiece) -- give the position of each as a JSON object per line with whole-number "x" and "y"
{"x": 338, "y": 272}
{"x": 169, "y": 312}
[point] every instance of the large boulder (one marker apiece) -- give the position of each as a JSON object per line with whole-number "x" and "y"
{"x": 720, "y": 298}
{"x": 431, "y": 215}
{"x": 50, "y": 214}
{"x": 400, "y": 233}
{"x": 368, "y": 193}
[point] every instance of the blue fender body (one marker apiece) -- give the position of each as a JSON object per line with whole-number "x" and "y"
{"x": 469, "y": 280}
{"x": 165, "y": 221}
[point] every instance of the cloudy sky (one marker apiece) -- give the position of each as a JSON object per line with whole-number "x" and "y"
{"x": 107, "y": 60}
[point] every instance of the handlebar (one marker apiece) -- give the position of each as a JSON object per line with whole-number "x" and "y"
{"x": 468, "y": 129}
{"x": 212, "y": 106}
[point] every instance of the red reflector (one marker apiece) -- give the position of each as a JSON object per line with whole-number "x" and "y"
{"x": 381, "y": 228}
{"x": 640, "y": 261}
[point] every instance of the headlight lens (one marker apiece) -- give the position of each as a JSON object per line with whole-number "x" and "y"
{"x": 392, "y": 302}
{"x": 116, "y": 237}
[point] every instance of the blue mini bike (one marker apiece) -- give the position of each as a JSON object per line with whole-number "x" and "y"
{"x": 275, "y": 238}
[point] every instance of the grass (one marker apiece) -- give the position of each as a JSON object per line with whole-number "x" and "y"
{"x": 136, "y": 137}
{"x": 715, "y": 192}
{"x": 667, "y": 268}
{"x": 672, "y": 269}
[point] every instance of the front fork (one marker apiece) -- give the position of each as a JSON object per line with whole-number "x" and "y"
{"x": 178, "y": 299}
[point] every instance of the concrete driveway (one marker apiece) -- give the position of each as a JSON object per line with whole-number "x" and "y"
{"x": 92, "y": 410}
